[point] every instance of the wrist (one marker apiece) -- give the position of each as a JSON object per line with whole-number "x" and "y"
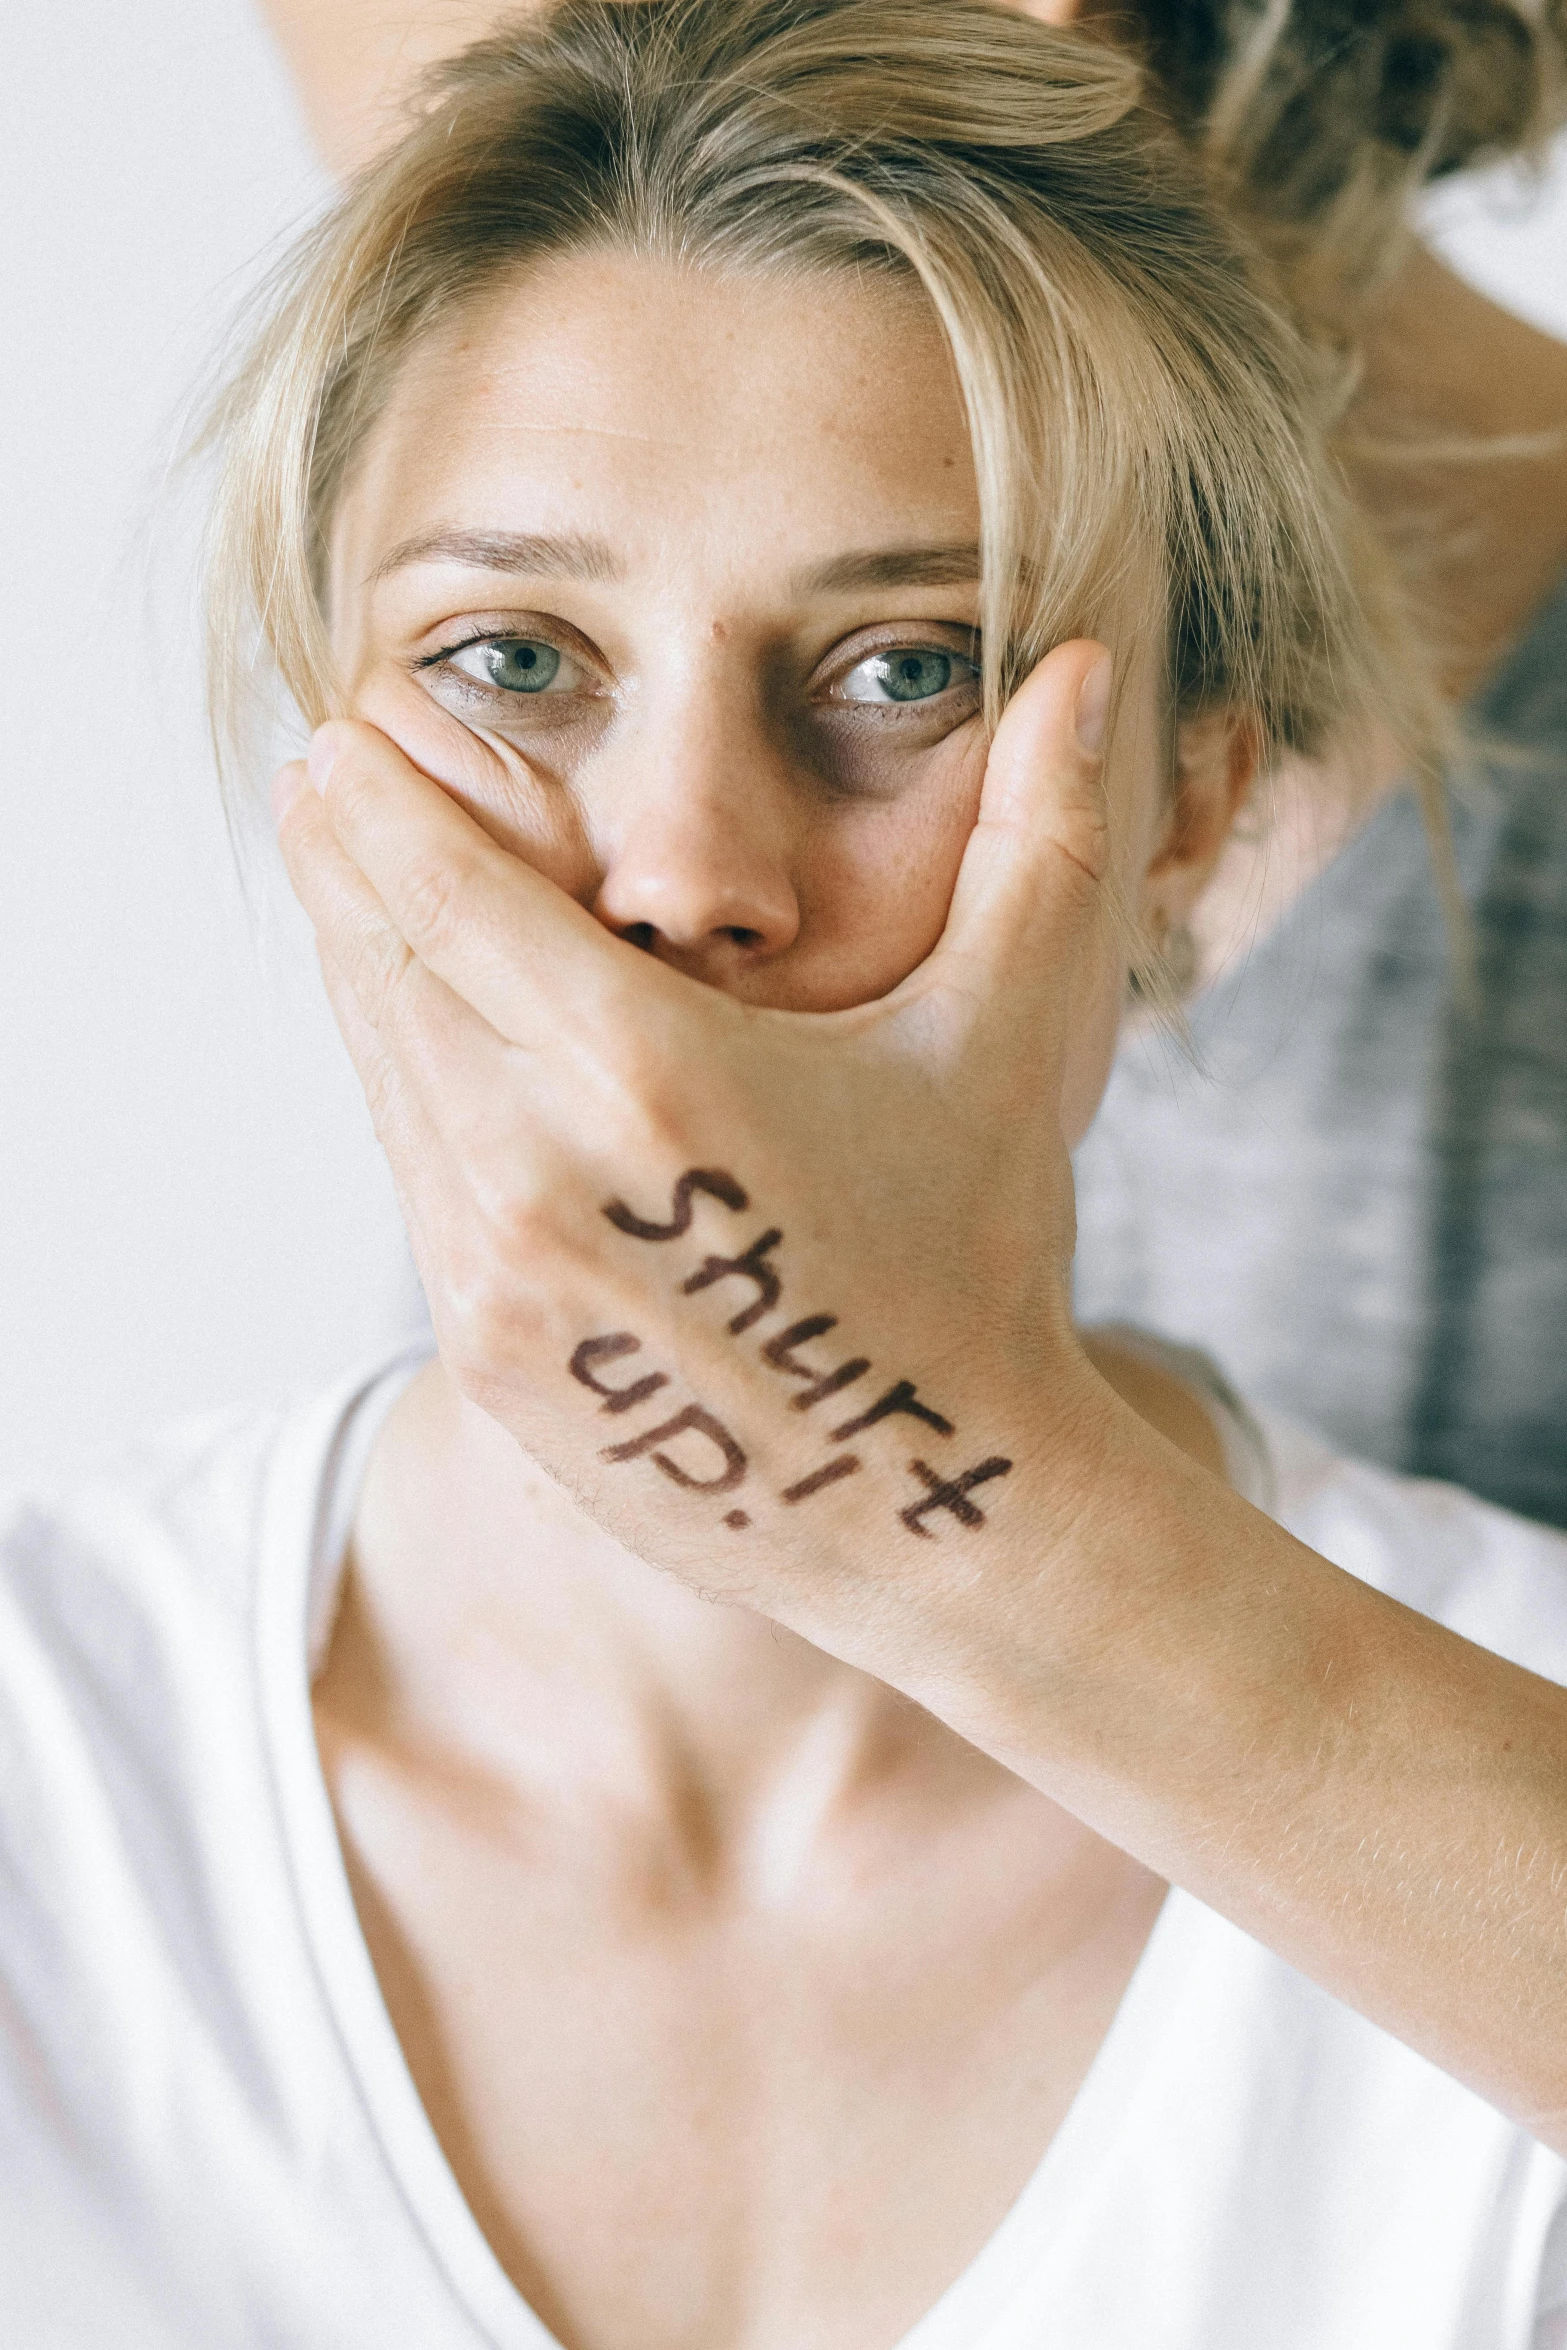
{"x": 961, "y": 1573}
{"x": 1105, "y": 1635}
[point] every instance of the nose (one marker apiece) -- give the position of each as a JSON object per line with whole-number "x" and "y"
{"x": 700, "y": 864}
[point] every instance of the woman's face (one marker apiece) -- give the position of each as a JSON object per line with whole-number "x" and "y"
{"x": 672, "y": 579}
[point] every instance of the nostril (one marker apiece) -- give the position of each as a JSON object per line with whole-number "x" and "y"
{"x": 651, "y": 938}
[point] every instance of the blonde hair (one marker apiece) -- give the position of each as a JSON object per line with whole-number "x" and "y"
{"x": 1141, "y": 409}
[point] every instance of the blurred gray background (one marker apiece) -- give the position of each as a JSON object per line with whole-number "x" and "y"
{"x": 192, "y": 1208}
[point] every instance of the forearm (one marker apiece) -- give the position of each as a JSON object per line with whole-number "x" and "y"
{"x": 1380, "y": 1801}
{"x": 354, "y": 61}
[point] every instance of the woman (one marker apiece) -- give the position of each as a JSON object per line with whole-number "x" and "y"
{"x": 430, "y": 1917}
{"x": 1355, "y": 1192}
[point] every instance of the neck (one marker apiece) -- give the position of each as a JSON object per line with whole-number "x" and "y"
{"x": 1458, "y": 445}
{"x": 488, "y": 1619}
{"x": 488, "y": 1616}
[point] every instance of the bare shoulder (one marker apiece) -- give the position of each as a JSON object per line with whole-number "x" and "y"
{"x": 353, "y": 61}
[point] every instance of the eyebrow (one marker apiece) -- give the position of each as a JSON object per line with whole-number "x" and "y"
{"x": 521, "y": 552}
{"x": 953, "y": 565}
{"x": 535, "y": 556}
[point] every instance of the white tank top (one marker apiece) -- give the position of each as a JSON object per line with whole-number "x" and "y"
{"x": 209, "y": 2138}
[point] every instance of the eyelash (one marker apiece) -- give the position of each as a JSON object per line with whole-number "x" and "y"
{"x": 481, "y": 636}
{"x": 444, "y": 654}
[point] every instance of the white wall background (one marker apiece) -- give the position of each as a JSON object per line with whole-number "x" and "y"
{"x": 192, "y": 1209}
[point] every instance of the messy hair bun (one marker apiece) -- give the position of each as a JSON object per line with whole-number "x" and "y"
{"x": 1324, "y": 116}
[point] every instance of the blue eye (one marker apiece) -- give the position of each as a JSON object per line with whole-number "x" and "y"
{"x": 912, "y": 673}
{"x": 517, "y": 664}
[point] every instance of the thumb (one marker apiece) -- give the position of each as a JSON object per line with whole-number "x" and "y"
{"x": 1037, "y": 863}
{"x": 1038, "y": 856}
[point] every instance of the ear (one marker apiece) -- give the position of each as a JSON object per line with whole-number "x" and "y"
{"x": 1216, "y": 757}
{"x": 1056, "y": 12}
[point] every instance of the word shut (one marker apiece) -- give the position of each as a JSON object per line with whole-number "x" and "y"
{"x": 721, "y": 1463}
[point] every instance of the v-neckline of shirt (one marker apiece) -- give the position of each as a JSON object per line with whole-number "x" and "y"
{"x": 312, "y": 1487}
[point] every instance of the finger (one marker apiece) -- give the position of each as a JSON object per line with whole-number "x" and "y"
{"x": 341, "y": 909}
{"x": 511, "y": 943}
{"x": 451, "y": 1108}
{"x": 353, "y": 929}
{"x": 397, "y": 996}
{"x": 411, "y": 1038}
{"x": 427, "y": 1196}
{"x": 469, "y": 1166}
{"x": 416, "y": 1095}
{"x": 396, "y": 1100}
{"x": 480, "y": 1185}
{"x": 449, "y": 1097}
{"x": 1036, "y": 869}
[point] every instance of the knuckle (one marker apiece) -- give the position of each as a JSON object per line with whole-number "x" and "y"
{"x": 429, "y": 901}
{"x": 650, "y": 1089}
{"x": 519, "y": 1219}
{"x": 1084, "y": 851}
{"x": 350, "y": 792}
{"x": 662, "y": 1131}
{"x": 515, "y": 1265}
{"x": 487, "y": 1319}
{"x": 637, "y": 1072}
{"x": 377, "y": 972}
{"x": 384, "y": 1100}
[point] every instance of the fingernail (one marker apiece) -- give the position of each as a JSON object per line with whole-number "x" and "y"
{"x": 287, "y": 785}
{"x": 1093, "y": 706}
{"x": 322, "y": 755}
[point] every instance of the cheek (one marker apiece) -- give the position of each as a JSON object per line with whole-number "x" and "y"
{"x": 877, "y": 877}
{"x": 529, "y": 812}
